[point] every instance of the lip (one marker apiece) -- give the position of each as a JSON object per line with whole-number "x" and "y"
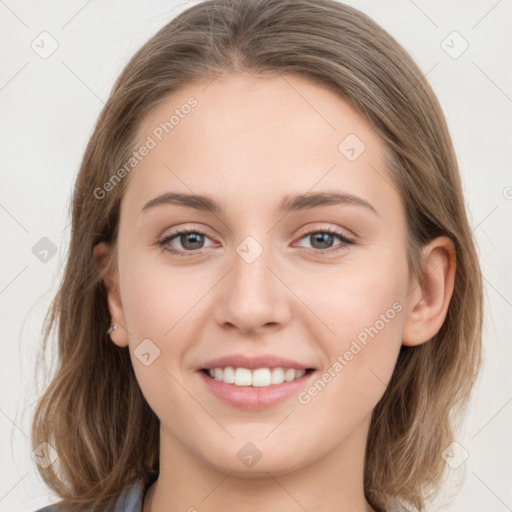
{"x": 255, "y": 398}
{"x": 253, "y": 362}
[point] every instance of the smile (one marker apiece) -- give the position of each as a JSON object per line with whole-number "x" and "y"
{"x": 260, "y": 377}
{"x": 255, "y": 390}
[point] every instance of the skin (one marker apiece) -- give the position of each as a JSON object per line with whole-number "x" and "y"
{"x": 250, "y": 141}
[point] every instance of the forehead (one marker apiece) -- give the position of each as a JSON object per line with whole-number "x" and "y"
{"x": 248, "y": 137}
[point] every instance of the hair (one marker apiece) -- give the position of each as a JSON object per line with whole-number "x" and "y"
{"x": 93, "y": 412}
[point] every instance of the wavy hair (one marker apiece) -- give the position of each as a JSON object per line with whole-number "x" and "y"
{"x": 93, "y": 412}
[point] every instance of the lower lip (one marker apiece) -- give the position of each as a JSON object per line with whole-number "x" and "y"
{"x": 255, "y": 398}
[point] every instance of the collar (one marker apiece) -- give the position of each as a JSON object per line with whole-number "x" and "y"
{"x": 130, "y": 500}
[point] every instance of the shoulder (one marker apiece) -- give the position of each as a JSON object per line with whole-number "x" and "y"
{"x": 130, "y": 500}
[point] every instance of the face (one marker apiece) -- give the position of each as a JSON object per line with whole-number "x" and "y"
{"x": 321, "y": 281}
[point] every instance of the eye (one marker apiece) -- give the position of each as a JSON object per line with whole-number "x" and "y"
{"x": 322, "y": 240}
{"x": 191, "y": 240}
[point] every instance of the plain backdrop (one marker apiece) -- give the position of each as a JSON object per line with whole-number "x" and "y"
{"x": 49, "y": 104}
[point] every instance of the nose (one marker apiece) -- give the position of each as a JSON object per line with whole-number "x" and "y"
{"x": 252, "y": 297}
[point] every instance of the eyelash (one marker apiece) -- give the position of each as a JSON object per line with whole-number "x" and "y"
{"x": 342, "y": 238}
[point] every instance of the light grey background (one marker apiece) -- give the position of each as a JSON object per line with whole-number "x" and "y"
{"x": 49, "y": 106}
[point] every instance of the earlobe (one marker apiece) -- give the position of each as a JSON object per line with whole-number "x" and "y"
{"x": 431, "y": 297}
{"x": 117, "y": 334}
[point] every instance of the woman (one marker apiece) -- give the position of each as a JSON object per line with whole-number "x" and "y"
{"x": 272, "y": 299}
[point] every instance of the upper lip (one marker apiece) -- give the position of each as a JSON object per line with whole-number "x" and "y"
{"x": 253, "y": 362}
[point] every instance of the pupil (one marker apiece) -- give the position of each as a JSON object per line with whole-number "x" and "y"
{"x": 193, "y": 238}
{"x": 321, "y": 237}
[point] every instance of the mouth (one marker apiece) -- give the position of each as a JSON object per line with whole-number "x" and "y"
{"x": 254, "y": 382}
{"x": 255, "y": 389}
{"x": 258, "y": 377}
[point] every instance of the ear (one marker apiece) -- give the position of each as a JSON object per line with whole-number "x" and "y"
{"x": 429, "y": 299}
{"x": 103, "y": 255}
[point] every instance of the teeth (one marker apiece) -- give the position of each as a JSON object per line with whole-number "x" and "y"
{"x": 262, "y": 377}
{"x": 228, "y": 375}
{"x": 277, "y": 376}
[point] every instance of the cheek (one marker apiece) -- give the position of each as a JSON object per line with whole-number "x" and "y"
{"x": 363, "y": 309}
{"x": 159, "y": 315}
{"x": 158, "y": 301}
{"x": 355, "y": 297}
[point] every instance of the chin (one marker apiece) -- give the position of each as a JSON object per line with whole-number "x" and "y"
{"x": 250, "y": 462}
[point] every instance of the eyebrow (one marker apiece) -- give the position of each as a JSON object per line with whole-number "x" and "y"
{"x": 289, "y": 203}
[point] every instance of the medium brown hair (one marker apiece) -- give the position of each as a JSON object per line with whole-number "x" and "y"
{"x": 93, "y": 412}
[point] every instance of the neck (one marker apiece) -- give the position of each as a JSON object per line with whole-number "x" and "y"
{"x": 332, "y": 483}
